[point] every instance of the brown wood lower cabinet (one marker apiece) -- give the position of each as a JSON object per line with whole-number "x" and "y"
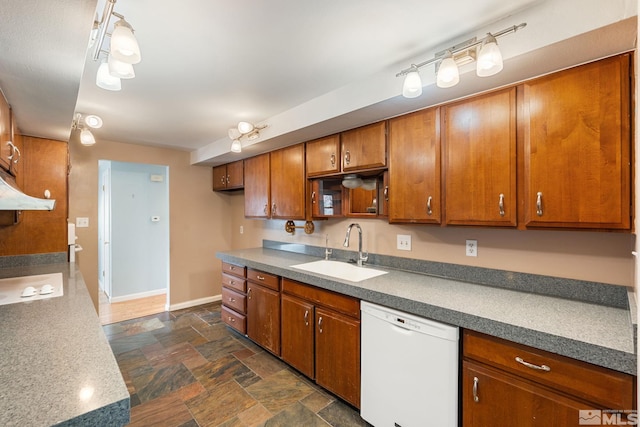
{"x": 321, "y": 337}
{"x": 509, "y": 384}
{"x": 263, "y": 310}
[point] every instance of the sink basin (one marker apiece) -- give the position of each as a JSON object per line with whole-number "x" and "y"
{"x": 340, "y": 270}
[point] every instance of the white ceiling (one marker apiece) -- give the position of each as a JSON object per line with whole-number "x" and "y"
{"x": 307, "y": 68}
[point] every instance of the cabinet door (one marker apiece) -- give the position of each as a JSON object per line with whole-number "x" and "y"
{"x": 257, "y": 187}
{"x": 5, "y": 134}
{"x": 297, "y": 334}
{"x": 492, "y": 398}
{"x": 263, "y": 317}
{"x": 577, "y": 147}
{"x": 480, "y": 160}
{"x": 364, "y": 148}
{"x": 327, "y": 197}
{"x": 414, "y": 168}
{"x": 288, "y": 183}
{"x": 220, "y": 178}
{"x": 235, "y": 175}
{"x": 323, "y": 156}
{"x": 338, "y": 354}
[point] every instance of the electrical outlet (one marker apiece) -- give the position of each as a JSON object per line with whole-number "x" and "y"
{"x": 82, "y": 222}
{"x": 472, "y": 248}
{"x": 404, "y": 242}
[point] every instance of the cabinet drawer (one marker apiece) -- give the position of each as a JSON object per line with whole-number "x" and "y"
{"x": 236, "y": 270}
{"x": 265, "y": 279}
{"x": 599, "y": 385}
{"x": 341, "y": 303}
{"x": 234, "y": 282}
{"x": 234, "y": 299}
{"x": 236, "y": 320}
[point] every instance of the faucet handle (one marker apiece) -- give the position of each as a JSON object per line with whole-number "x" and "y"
{"x": 327, "y": 253}
{"x": 364, "y": 257}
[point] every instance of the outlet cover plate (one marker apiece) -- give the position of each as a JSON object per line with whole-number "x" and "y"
{"x": 472, "y": 248}
{"x": 404, "y": 242}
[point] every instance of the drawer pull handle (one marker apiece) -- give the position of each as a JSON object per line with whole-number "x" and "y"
{"x": 333, "y": 159}
{"x": 320, "y": 324}
{"x": 231, "y": 299}
{"x": 532, "y": 366}
{"x": 476, "y": 398}
{"x": 429, "y": 210}
{"x": 347, "y": 157}
{"x": 306, "y": 318}
{"x": 232, "y": 282}
{"x": 231, "y": 319}
{"x": 501, "y": 204}
{"x": 249, "y": 293}
{"x": 260, "y": 277}
{"x": 232, "y": 268}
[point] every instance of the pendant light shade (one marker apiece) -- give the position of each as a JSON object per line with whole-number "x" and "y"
{"x": 120, "y": 69}
{"x": 412, "y": 87}
{"x": 106, "y": 80}
{"x": 489, "y": 58}
{"x": 448, "y": 74}
{"x": 236, "y": 146}
{"x": 86, "y": 137}
{"x": 124, "y": 46}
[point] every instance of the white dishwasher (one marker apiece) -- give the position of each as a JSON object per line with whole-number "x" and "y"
{"x": 409, "y": 368}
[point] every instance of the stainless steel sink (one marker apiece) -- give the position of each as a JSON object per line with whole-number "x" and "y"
{"x": 30, "y": 288}
{"x": 340, "y": 270}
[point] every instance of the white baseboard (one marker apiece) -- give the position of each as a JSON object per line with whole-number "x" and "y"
{"x": 194, "y": 302}
{"x": 139, "y": 295}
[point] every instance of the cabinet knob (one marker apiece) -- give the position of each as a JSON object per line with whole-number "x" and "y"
{"x": 539, "y": 204}
{"x": 501, "y": 204}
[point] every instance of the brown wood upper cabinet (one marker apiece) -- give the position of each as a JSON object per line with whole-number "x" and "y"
{"x": 480, "y": 160}
{"x": 414, "y": 168}
{"x": 364, "y": 148}
{"x": 323, "y": 156}
{"x": 9, "y": 155}
{"x": 229, "y": 176}
{"x": 576, "y": 147}
{"x": 275, "y": 185}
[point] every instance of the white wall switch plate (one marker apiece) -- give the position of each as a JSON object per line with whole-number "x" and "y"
{"x": 82, "y": 222}
{"x": 404, "y": 242}
{"x": 472, "y": 248}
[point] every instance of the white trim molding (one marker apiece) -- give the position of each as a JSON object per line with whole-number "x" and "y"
{"x": 139, "y": 295}
{"x": 193, "y": 303}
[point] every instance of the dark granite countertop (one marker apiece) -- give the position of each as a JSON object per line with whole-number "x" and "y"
{"x": 56, "y": 365}
{"x": 599, "y": 334}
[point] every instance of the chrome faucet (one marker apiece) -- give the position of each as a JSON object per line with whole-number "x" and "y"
{"x": 362, "y": 257}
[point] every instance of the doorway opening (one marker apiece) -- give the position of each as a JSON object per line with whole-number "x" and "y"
{"x": 133, "y": 239}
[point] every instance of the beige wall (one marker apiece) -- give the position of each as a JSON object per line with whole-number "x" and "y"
{"x": 198, "y": 217}
{"x": 583, "y": 255}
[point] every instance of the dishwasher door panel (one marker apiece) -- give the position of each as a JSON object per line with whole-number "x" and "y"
{"x": 409, "y": 370}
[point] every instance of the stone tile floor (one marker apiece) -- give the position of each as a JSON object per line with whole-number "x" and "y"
{"x": 186, "y": 369}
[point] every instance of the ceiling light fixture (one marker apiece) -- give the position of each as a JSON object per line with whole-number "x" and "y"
{"x": 82, "y": 124}
{"x": 122, "y": 53}
{"x": 244, "y": 130}
{"x": 489, "y": 62}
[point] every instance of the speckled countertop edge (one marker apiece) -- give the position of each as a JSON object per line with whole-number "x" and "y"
{"x": 593, "y": 333}
{"x": 52, "y": 351}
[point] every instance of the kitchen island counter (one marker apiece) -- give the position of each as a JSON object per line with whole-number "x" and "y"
{"x": 595, "y": 333}
{"x": 56, "y": 365}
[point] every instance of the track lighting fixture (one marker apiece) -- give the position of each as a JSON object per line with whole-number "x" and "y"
{"x": 485, "y": 52}
{"x": 122, "y": 53}
{"x": 82, "y": 124}
{"x": 244, "y": 130}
